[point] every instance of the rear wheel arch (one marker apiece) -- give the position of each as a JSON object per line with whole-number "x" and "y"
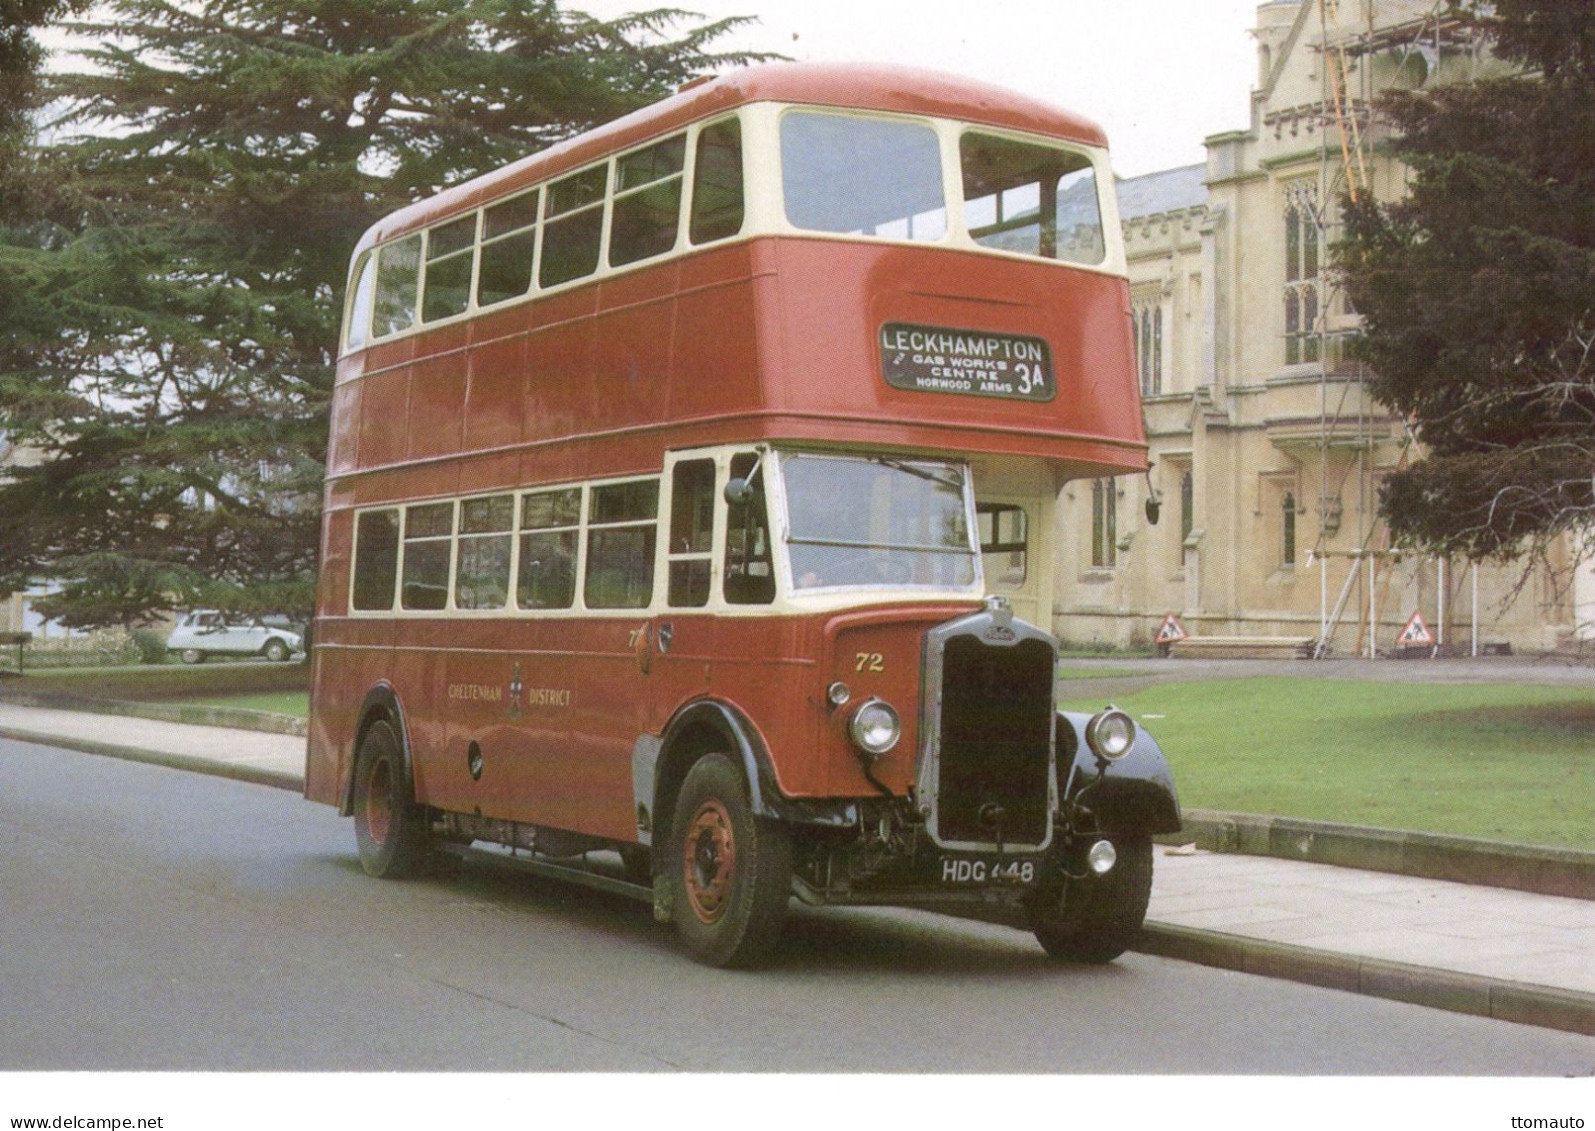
{"x": 381, "y": 705}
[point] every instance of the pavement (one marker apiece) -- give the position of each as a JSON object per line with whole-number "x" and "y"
{"x": 1512, "y": 955}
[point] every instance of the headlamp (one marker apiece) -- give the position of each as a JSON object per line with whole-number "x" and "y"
{"x": 1110, "y": 734}
{"x": 874, "y": 728}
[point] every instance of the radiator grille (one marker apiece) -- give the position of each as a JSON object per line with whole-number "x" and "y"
{"x": 996, "y": 732}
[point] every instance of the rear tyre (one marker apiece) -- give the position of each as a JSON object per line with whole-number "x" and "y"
{"x": 389, "y": 827}
{"x": 276, "y": 651}
{"x": 192, "y": 656}
{"x": 1096, "y": 920}
{"x": 730, "y": 871}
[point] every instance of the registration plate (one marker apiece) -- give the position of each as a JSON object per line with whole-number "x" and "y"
{"x": 965, "y": 871}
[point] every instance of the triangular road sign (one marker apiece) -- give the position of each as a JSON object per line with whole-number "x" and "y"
{"x": 1170, "y": 630}
{"x": 1416, "y": 633}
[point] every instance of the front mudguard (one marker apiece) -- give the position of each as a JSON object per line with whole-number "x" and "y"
{"x": 1134, "y": 795}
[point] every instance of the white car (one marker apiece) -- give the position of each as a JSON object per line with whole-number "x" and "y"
{"x": 206, "y": 632}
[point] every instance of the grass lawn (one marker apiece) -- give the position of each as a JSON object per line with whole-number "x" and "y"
{"x": 164, "y": 682}
{"x": 295, "y": 703}
{"x": 1509, "y": 763}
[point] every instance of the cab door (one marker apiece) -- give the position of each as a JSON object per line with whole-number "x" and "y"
{"x": 684, "y": 634}
{"x": 1008, "y": 557}
{"x": 1016, "y": 509}
{"x": 611, "y": 655}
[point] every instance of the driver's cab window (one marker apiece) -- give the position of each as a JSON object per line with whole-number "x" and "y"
{"x": 749, "y": 575}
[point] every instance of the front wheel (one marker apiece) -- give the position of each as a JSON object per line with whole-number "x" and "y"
{"x": 192, "y": 656}
{"x": 389, "y": 827}
{"x": 730, "y": 871}
{"x": 276, "y": 651}
{"x": 1095, "y": 920}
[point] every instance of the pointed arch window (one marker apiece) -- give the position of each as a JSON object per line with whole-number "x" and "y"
{"x": 1187, "y": 506}
{"x": 1303, "y": 248}
{"x": 1104, "y": 524}
{"x": 1287, "y": 529}
{"x": 1147, "y": 326}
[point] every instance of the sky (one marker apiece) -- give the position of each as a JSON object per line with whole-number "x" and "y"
{"x": 1158, "y": 75}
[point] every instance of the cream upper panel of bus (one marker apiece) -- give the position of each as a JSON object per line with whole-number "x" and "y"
{"x": 674, "y": 542}
{"x": 930, "y": 182}
{"x": 675, "y": 193}
{"x": 769, "y": 169}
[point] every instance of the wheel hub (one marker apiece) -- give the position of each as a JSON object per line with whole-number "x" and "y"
{"x": 379, "y": 813}
{"x": 710, "y": 861}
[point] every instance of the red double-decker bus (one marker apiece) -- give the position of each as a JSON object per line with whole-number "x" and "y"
{"x": 690, "y": 498}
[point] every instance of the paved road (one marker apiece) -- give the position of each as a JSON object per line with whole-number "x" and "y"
{"x": 151, "y": 919}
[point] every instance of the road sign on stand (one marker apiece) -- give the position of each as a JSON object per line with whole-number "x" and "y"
{"x": 1170, "y": 630}
{"x": 1416, "y": 634}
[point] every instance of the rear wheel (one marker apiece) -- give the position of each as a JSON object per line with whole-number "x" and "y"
{"x": 730, "y": 871}
{"x": 192, "y": 656}
{"x": 389, "y": 827}
{"x": 1096, "y": 920}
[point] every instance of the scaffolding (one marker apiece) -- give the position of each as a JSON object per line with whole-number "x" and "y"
{"x": 1404, "y": 31}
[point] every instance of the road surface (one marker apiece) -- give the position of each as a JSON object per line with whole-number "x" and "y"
{"x": 157, "y": 919}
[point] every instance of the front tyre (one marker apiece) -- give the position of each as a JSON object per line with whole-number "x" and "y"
{"x": 276, "y": 651}
{"x": 192, "y": 656}
{"x": 730, "y": 871}
{"x": 389, "y": 827}
{"x": 1095, "y": 920}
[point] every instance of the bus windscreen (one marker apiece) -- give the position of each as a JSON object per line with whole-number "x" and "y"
{"x": 902, "y": 522}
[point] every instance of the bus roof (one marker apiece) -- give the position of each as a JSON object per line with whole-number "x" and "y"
{"x": 859, "y": 86}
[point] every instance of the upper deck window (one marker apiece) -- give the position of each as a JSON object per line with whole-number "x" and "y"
{"x": 447, "y": 289}
{"x": 862, "y": 176}
{"x": 1031, "y": 199}
{"x": 360, "y": 302}
{"x": 717, "y": 207}
{"x": 398, "y": 283}
{"x": 509, "y": 237}
{"x": 647, "y": 201}
{"x": 573, "y": 226}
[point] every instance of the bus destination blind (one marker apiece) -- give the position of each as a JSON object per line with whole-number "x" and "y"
{"x": 976, "y": 363}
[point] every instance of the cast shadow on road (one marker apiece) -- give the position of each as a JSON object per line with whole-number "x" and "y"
{"x": 836, "y": 942}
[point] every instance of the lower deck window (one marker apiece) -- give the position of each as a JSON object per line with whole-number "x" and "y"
{"x": 620, "y": 545}
{"x": 428, "y": 538}
{"x": 376, "y": 559}
{"x": 482, "y": 563}
{"x": 547, "y": 574}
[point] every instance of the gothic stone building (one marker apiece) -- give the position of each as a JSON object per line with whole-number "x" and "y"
{"x": 1267, "y": 450}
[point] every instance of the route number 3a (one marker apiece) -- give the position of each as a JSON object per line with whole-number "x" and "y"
{"x": 869, "y": 662}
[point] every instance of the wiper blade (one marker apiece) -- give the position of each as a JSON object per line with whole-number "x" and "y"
{"x": 951, "y": 479}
